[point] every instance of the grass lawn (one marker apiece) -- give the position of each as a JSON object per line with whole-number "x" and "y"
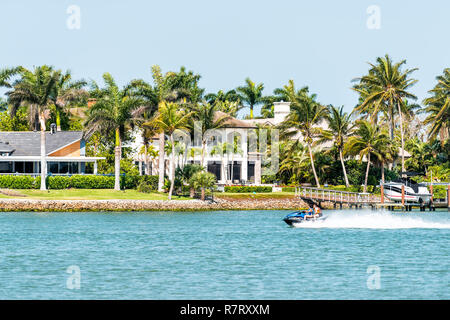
{"x": 89, "y": 194}
{"x": 265, "y": 195}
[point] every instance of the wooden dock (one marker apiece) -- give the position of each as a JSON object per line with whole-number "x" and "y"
{"x": 358, "y": 200}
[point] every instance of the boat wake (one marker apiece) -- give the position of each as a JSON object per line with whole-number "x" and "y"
{"x": 367, "y": 219}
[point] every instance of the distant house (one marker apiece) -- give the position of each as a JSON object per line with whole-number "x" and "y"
{"x": 20, "y": 153}
{"x": 244, "y": 166}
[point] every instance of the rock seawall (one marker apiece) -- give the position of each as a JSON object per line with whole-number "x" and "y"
{"x": 148, "y": 205}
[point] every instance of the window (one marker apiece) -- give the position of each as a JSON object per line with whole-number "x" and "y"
{"x": 63, "y": 167}
{"x": 53, "y": 167}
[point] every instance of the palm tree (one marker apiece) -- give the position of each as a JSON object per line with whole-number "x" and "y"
{"x": 438, "y": 108}
{"x": 251, "y": 94}
{"x": 34, "y": 89}
{"x": 229, "y": 107}
{"x": 305, "y": 116}
{"x": 67, "y": 91}
{"x": 204, "y": 118}
{"x": 112, "y": 112}
{"x": 340, "y": 128}
{"x": 170, "y": 118}
{"x": 384, "y": 88}
{"x": 181, "y": 87}
{"x": 202, "y": 180}
{"x": 220, "y": 96}
{"x": 367, "y": 142}
{"x": 289, "y": 92}
{"x": 295, "y": 161}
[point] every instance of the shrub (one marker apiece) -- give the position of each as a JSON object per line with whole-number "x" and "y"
{"x": 288, "y": 189}
{"x": 91, "y": 182}
{"x": 19, "y": 182}
{"x": 247, "y": 189}
{"x": 77, "y": 181}
{"x": 58, "y": 182}
{"x": 144, "y": 187}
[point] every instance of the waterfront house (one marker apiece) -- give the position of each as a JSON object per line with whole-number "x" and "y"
{"x": 20, "y": 153}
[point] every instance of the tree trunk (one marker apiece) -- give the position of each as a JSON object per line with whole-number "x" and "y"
{"x": 343, "y": 168}
{"x": 117, "y": 161}
{"x": 172, "y": 168}
{"x": 312, "y": 165}
{"x": 43, "y": 155}
{"x": 147, "y": 169}
{"x": 367, "y": 172}
{"x": 382, "y": 171}
{"x": 203, "y": 153}
{"x": 203, "y": 194}
{"x": 401, "y": 136}
{"x": 58, "y": 120}
{"x": 161, "y": 163}
{"x": 251, "y": 112}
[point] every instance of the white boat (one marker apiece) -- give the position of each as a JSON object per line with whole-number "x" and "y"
{"x": 414, "y": 192}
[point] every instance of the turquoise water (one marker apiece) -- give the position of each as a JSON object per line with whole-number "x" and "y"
{"x": 224, "y": 255}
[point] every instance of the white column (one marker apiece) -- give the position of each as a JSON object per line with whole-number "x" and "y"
{"x": 258, "y": 170}
{"x": 95, "y": 167}
{"x": 244, "y": 163}
{"x": 140, "y": 167}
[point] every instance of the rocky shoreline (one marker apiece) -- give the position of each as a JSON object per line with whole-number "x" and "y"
{"x": 148, "y": 205}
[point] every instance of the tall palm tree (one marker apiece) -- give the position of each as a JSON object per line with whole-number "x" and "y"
{"x": 305, "y": 116}
{"x": 438, "y": 108}
{"x": 221, "y": 96}
{"x": 288, "y": 92}
{"x": 67, "y": 91}
{"x": 170, "y": 118}
{"x": 340, "y": 128}
{"x": 112, "y": 112}
{"x": 384, "y": 88}
{"x": 251, "y": 94}
{"x": 229, "y": 107}
{"x": 35, "y": 89}
{"x": 181, "y": 87}
{"x": 368, "y": 141}
{"x": 295, "y": 162}
{"x": 205, "y": 118}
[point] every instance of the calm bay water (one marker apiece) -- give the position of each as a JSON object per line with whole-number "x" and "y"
{"x": 224, "y": 255}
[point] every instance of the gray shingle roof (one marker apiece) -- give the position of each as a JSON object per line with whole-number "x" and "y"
{"x": 28, "y": 143}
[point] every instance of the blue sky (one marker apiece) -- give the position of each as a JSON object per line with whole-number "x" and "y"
{"x": 321, "y": 44}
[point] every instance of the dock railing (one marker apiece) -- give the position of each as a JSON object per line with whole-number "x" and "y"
{"x": 336, "y": 196}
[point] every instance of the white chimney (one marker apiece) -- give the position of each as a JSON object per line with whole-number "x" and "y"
{"x": 281, "y": 110}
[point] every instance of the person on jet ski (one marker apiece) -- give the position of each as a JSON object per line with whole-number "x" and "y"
{"x": 308, "y": 213}
{"x": 317, "y": 211}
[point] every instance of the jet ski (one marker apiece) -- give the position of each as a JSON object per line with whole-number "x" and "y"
{"x": 300, "y": 216}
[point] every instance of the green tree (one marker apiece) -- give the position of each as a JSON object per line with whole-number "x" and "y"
{"x": 205, "y": 117}
{"x": 305, "y": 117}
{"x": 66, "y": 92}
{"x": 35, "y": 89}
{"x": 112, "y": 112}
{"x": 202, "y": 180}
{"x": 384, "y": 88}
{"x": 438, "y": 108}
{"x": 339, "y": 129}
{"x": 251, "y": 94}
{"x": 170, "y": 118}
{"x": 368, "y": 141}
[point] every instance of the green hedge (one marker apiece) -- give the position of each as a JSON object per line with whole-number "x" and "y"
{"x": 19, "y": 182}
{"x": 77, "y": 182}
{"x": 245, "y": 189}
